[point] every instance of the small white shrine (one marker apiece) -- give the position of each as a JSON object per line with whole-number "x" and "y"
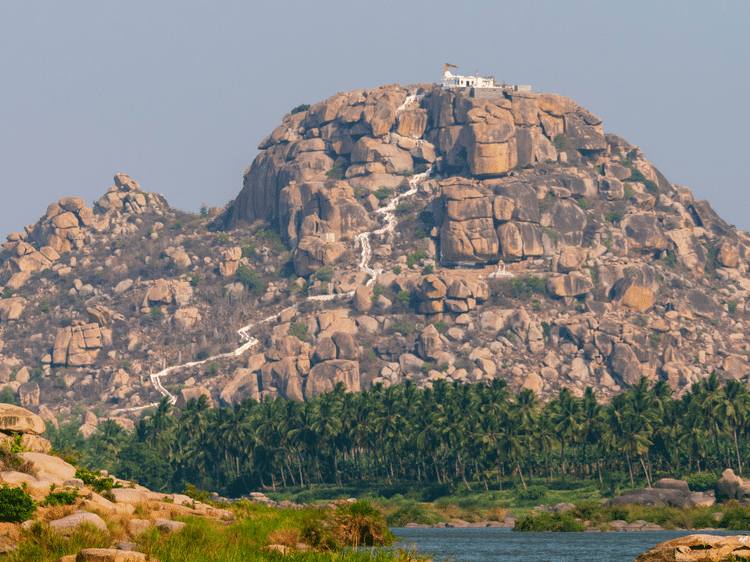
{"x": 451, "y": 80}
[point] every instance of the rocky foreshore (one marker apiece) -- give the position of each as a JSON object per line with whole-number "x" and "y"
{"x": 699, "y": 547}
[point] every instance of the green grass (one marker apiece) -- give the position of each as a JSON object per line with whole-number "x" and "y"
{"x": 255, "y": 527}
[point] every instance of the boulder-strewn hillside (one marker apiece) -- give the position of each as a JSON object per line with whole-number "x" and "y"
{"x": 399, "y": 202}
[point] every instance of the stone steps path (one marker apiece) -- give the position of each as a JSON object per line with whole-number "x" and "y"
{"x": 389, "y": 218}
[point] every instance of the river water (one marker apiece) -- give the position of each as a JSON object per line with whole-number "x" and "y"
{"x": 503, "y": 545}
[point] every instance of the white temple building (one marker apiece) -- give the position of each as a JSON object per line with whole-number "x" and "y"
{"x": 451, "y": 80}
{"x": 456, "y": 81}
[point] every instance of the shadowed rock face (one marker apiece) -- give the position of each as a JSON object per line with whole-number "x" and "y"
{"x": 18, "y": 420}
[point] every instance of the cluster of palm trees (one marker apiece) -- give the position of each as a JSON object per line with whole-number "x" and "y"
{"x": 475, "y": 435}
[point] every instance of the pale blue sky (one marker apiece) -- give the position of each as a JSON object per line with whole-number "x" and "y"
{"x": 179, "y": 94}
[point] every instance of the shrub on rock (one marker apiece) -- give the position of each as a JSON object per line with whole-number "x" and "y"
{"x": 15, "y": 504}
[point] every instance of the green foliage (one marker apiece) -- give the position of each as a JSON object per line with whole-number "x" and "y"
{"x": 669, "y": 260}
{"x": 403, "y": 327}
{"x": 383, "y": 192}
{"x": 546, "y": 329}
{"x": 552, "y": 234}
{"x": 377, "y": 290}
{"x": 441, "y": 326}
{"x": 212, "y": 368}
{"x": 702, "y": 482}
{"x": 517, "y": 287}
{"x": 94, "y": 479}
{"x": 403, "y": 298}
{"x": 404, "y": 208}
{"x": 195, "y": 494}
{"x": 15, "y": 504}
{"x": 222, "y": 238}
{"x": 36, "y": 374}
{"x": 250, "y": 279}
{"x": 614, "y": 216}
{"x": 62, "y": 497}
{"x": 176, "y": 225}
{"x": 527, "y": 286}
{"x": 420, "y": 233}
{"x": 42, "y": 543}
{"x": 427, "y": 367}
{"x": 736, "y": 518}
{"x": 248, "y": 249}
{"x": 415, "y": 257}
{"x": 335, "y": 173}
{"x": 637, "y": 176}
{"x": 17, "y": 445}
{"x": 140, "y": 462}
{"x": 397, "y": 270}
{"x": 532, "y": 493}
{"x": 641, "y": 321}
{"x": 272, "y": 238}
{"x": 203, "y": 210}
{"x": 300, "y": 108}
{"x": 202, "y": 354}
{"x": 546, "y": 522}
{"x": 8, "y": 292}
{"x": 563, "y": 143}
{"x": 325, "y": 273}
{"x": 298, "y": 330}
{"x": 428, "y": 269}
{"x": 712, "y": 260}
{"x": 654, "y": 339}
{"x": 195, "y": 279}
{"x": 627, "y": 192}
{"x": 156, "y": 312}
{"x": 732, "y": 306}
{"x": 411, "y": 512}
{"x": 7, "y": 396}
{"x": 44, "y": 305}
{"x": 583, "y": 204}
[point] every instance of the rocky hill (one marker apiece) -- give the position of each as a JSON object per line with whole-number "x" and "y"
{"x": 399, "y": 233}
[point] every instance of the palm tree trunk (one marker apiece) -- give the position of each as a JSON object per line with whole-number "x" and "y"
{"x": 437, "y": 470}
{"x": 336, "y": 468}
{"x": 562, "y": 457}
{"x": 630, "y": 468}
{"x": 520, "y": 473}
{"x": 463, "y": 471}
{"x": 299, "y": 465}
{"x": 737, "y": 451}
{"x": 645, "y": 471}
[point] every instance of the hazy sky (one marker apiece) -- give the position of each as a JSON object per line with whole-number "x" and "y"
{"x": 179, "y": 94}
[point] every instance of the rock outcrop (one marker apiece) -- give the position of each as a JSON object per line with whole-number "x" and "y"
{"x": 537, "y": 250}
{"x": 695, "y": 548}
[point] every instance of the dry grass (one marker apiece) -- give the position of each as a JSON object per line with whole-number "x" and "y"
{"x": 10, "y": 531}
{"x": 287, "y": 537}
{"x": 55, "y": 512}
{"x": 451, "y": 511}
{"x": 496, "y": 513}
{"x": 360, "y": 530}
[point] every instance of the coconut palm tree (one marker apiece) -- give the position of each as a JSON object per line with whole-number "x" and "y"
{"x": 566, "y": 419}
{"x": 730, "y": 410}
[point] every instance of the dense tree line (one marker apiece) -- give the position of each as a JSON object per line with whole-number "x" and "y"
{"x": 471, "y": 435}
